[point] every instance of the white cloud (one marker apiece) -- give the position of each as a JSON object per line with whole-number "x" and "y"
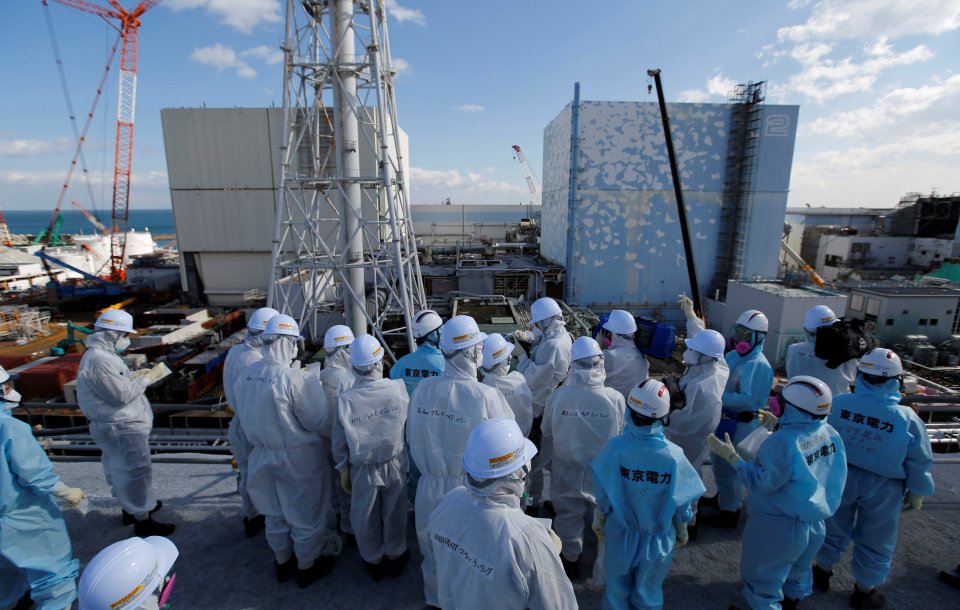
{"x": 402, "y": 14}
{"x": 54, "y": 177}
{"x": 717, "y": 86}
{"x": 466, "y": 181}
{"x": 269, "y": 56}
{"x": 853, "y": 19}
{"x": 242, "y": 15}
{"x": 25, "y": 147}
{"x": 401, "y": 67}
{"x": 222, "y": 57}
{"x": 469, "y": 108}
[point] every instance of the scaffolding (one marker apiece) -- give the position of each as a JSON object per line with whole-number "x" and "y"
{"x": 746, "y": 118}
{"x": 343, "y": 244}
{"x": 22, "y": 324}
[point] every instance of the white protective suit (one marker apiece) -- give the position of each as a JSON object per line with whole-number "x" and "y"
{"x": 368, "y": 438}
{"x": 801, "y": 360}
{"x": 702, "y": 385}
{"x": 443, "y": 410}
{"x": 624, "y": 364}
{"x": 580, "y": 417}
{"x": 120, "y": 421}
{"x": 515, "y": 390}
{"x": 336, "y": 377}
{"x": 286, "y": 419}
{"x": 547, "y": 365}
{"x": 491, "y": 555}
{"x": 238, "y": 359}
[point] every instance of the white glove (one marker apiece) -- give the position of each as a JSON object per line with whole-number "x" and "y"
{"x": 686, "y": 305}
{"x": 557, "y": 543}
{"x": 724, "y": 449}
{"x": 345, "y": 482}
{"x": 599, "y": 522}
{"x": 70, "y": 495}
{"x": 767, "y": 419}
{"x": 912, "y": 502}
{"x": 683, "y": 536}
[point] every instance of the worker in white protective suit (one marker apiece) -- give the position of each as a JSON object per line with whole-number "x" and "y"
{"x": 132, "y": 574}
{"x": 489, "y": 553}
{"x": 238, "y": 359}
{"x": 580, "y": 417}
{"x": 442, "y": 412}
{"x": 802, "y": 358}
{"x": 513, "y": 385}
{"x": 120, "y": 421}
{"x": 544, "y": 369}
{"x": 625, "y": 365}
{"x": 696, "y": 400}
{"x": 337, "y": 377}
{"x": 286, "y": 418}
{"x": 369, "y": 453}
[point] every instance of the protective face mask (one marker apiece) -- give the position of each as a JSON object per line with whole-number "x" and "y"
{"x": 255, "y": 339}
{"x": 691, "y": 358}
{"x": 743, "y": 348}
{"x": 537, "y": 332}
{"x": 607, "y": 341}
{"x": 10, "y": 400}
{"x": 121, "y": 345}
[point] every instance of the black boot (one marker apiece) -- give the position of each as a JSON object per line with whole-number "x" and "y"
{"x": 252, "y": 527}
{"x": 286, "y": 569}
{"x": 710, "y": 501}
{"x": 571, "y": 568}
{"x": 789, "y": 603}
{"x": 395, "y": 566}
{"x": 24, "y": 603}
{"x": 149, "y": 527}
{"x": 375, "y": 570}
{"x": 951, "y": 579}
{"x": 872, "y": 599}
{"x": 692, "y": 532}
{"x": 128, "y": 518}
{"x": 727, "y": 519}
{"x": 320, "y": 568}
{"x": 821, "y": 578}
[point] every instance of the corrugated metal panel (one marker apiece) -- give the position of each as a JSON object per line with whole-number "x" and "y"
{"x": 227, "y": 275}
{"x": 215, "y": 221}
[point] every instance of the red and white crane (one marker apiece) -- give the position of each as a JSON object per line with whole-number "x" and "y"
{"x": 129, "y": 24}
{"x": 532, "y": 181}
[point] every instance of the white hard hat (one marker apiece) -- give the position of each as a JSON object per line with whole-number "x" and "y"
{"x": 620, "y": 322}
{"x": 115, "y": 319}
{"x": 808, "y": 394}
{"x": 4, "y": 375}
{"x": 125, "y": 573}
{"x": 495, "y": 350}
{"x": 365, "y": 350}
{"x": 707, "y": 342}
{"x": 425, "y": 322}
{"x": 544, "y": 308}
{"x": 754, "y": 320}
{"x": 336, "y": 336}
{"x": 282, "y": 324}
{"x": 496, "y": 448}
{"x": 259, "y": 319}
{"x": 818, "y": 316}
{"x": 459, "y": 332}
{"x": 584, "y": 347}
{"x": 881, "y": 362}
{"x": 650, "y": 399}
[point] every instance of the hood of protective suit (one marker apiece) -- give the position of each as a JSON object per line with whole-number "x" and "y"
{"x": 337, "y": 359}
{"x": 794, "y": 416}
{"x": 620, "y": 341}
{"x": 889, "y": 391}
{"x": 282, "y": 350}
{"x": 104, "y": 339}
{"x": 499, "y": 369}
{"x": 632, "y": 429}
{"x": 374, "y": 373}
{"x": 254, "y": 340}
{"x": 554, "y": 328}
{"x": 460, "y": 365}
{"x": 593, "y": 376}
{"x": 506, "y": 490}
{"x": 707, "y": 367}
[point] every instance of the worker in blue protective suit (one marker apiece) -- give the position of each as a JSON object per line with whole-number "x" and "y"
{"x": 287, "y": 420}
{"x": 795, "y": 484}
{"x": 442, "y": 412}
{"x": 646, "y": 490}
{"x": 802, "y": 358}
{"x": 746, "y": 392}
{"x": 428, "y": 360}
{"x": 238, "y": 359}
{"x": 36, "y": 560}
{"x": 120, "y": 421}
{"x": 581, "y": 416}
{"x": 337, "y": 377}
{"x": 889, "y": 453}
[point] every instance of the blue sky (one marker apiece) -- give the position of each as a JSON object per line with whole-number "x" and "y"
{"x": 877, "y": 89}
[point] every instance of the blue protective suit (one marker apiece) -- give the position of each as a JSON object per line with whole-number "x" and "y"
{"x": 427, "y": 361}
{"x": 795, "y": 483}
{"x": 747, "y": 390}
{"x": 889, "y": 453}
{"x": 643, "y": 483}
{"x": 35, "y": 550}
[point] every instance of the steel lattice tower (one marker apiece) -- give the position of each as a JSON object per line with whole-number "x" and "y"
{"x": 343, "y": 240}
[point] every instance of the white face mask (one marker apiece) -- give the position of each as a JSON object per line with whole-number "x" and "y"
{"x": 690, "y": 357}
{"x": 122, "y": 344}
{"x": 10, "y": 400}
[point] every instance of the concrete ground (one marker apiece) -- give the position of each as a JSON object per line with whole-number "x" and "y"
{"x": 220, "y": 568}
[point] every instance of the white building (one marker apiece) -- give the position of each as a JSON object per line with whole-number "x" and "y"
{"x": 901, "y": 309}
{"x": 840, "y": 255}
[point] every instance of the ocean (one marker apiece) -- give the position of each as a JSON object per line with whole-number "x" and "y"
{"x": 31, "y": 222}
